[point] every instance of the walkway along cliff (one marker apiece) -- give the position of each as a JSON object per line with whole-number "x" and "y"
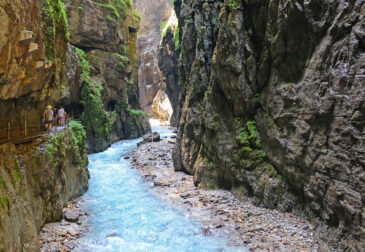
{"x": 271, "y": 101}
{"x": 78, "y": 54}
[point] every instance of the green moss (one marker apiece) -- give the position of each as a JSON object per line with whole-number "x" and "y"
{"x": 251, "y": 145}
{"x": 94, "y": 118}
{"x": 111, "y": 8}
{"x": 136, "y": 16}
{"x": 78, "y": 134}
{"x": 177, "y": 37}
{"x": 54, "y": 21}
{"x": 122, "y": 6}
{"x": 246, "y": 149}
{"x": 115, "y": 114}
{"x": 3, "y": 184}
{"x": 243, "y": 137}
{"x": 233, "y": 4}
{"x": 129, "y": 82}
{"x": 110, "y": 19}
{"x": 124, "y": 50}
{"x": 137, "y": 113}
{"x": 162, "y": 26}
{"x": 5, "y": 202}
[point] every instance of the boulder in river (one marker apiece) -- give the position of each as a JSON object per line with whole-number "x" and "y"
{"x": 150, "y": 137}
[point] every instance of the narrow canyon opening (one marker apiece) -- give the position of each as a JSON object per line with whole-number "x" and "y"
{"x": 155, "y": 98}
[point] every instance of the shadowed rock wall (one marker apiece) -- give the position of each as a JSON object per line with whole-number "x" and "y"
{"x": 272, "y": 106}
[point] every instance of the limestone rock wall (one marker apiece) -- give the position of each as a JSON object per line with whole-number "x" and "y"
{"x": 106, "y": 32}
{"x": 168, "y": 62}
{"x": 150, "y": 80}
{"x": 36, "y": 182}
{"x": 272, "y": 106}
{"x": 31, "y": 70}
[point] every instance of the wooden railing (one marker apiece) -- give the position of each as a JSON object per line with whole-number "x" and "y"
{"x": 25, "y": 132}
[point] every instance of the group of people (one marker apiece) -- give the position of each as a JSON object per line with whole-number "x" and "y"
{"x": 52, "y": 114}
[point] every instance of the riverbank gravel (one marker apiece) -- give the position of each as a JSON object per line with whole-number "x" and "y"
{"x": 220, "y": 213}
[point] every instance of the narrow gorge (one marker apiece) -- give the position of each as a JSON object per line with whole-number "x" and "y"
{"x": 257, "y": 115}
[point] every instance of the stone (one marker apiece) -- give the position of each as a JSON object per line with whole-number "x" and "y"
{"x": 151, "y": 137}
{"x": 71, "y": 216}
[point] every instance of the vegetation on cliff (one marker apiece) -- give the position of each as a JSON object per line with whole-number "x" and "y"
{"x": 94, "y": 118}
{"x": 54, "y": 22}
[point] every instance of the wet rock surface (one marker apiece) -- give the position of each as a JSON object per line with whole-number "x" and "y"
{"x": 218, "y": 210}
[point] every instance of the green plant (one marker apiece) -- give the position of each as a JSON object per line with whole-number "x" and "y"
{"x": 111, "y": 8}
{"x": 177, "y": 38}
{"x": 243, "y": 137}
{"x": 166, "y": 30}
{"x": 54, "y": 21}
{"x": 122, "y": 6}
{"x": 162, "y": 26}
{"x": 110, "y": 19}
{"x": 3, "y": 183}
{"x": 233, "y": 4}
{"x": 136, "y": 113}
{"x": 115, "y": 114}
{"x": 78, "y": 134}
{"x": 124, "y": 50}
{"x": 95, "y": 119}
{"x": 136, "y": 16}
{"x": 200, "y": 30}
{"x": 5, "y": 202}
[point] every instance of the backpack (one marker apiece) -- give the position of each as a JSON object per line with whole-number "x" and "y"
{"x": 48, "y": 114}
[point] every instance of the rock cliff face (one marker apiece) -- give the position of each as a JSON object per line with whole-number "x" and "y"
{"x": 272, "y": 106}
{"x": 153, "y": 13}
{"x": 105, "y": 35}
{"x": 42, "y": 61}
{"x": 168, "y": 62}
{"x": 36, "y": 182}
{"x": 32, "y": 46}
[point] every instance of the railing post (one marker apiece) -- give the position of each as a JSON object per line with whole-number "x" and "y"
{"x": 9, "y": 131}
{"x": 25, "y": 128}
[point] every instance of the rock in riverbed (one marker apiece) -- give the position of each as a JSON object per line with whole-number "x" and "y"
{"x": 71, "y": 216}
{"x": 151, "y": 137}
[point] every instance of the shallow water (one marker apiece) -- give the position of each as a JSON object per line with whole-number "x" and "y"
{"x": 126, "y": 216}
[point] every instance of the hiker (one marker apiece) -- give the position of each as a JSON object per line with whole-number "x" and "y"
{"x": 48, "y": 117}
{"x": 61, "y": 116}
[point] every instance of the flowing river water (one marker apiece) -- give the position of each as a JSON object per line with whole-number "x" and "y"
{"x": 127, "y": 216}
